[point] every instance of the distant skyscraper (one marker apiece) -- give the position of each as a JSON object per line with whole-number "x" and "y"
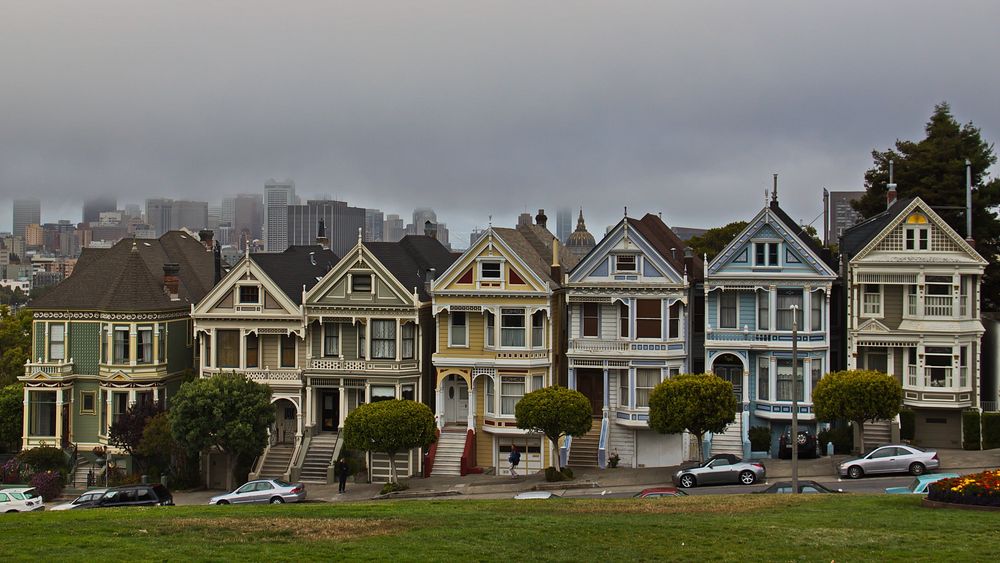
{"x": 133, "y": 211}
{"x": 342, "y": 223}
{"x": 373, "y": 225}
{"x": 26, "y": 212}
{"x": 92, "y": 208}
{"x": 564, "y": 223}
{"x": 245, "y": 215}
{"x": 393, "y": 229}
{"x": 159, "y": 214}
{"x": 278, "y": 195}
{"x": 192, "y": 215}
{"x": 420, "y": 217}
{"x": 842, "y": 215}
{"x": 524, "y": 219}
{"x": 214, "y": 217}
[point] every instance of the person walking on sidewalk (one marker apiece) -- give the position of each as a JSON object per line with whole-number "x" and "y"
{"x": 514, "y": 458}
{"x": 342, "y": 470}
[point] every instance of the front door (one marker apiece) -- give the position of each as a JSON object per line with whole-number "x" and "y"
{"x": 729, "y": 367}
{"x": 456, "y": 399}
{"x": 329, "y": 410}
{"x": 591, "y": 384}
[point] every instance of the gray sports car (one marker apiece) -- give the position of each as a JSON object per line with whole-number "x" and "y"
{"x": 721, "y": 469}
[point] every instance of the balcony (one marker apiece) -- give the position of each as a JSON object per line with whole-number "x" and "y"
{"x": 385, "y": 366}
{"x": 938, "y": 306}
{"x": 623, "y": 347}
{"x": 269, "y": 376}
{"x": 138, "y": 371}
{"x": 762, "y": 337}
{"x": 56, "y": 368}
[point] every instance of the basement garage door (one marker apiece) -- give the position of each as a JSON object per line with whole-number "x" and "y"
{"x": 531, "y": 453}
{"x": 658, "y": 450}
{"x": 937, "y": 429}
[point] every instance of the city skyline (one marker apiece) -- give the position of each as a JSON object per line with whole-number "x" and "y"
{"x": 472, "y": 111}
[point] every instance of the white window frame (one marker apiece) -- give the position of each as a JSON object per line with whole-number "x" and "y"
{"x": 635, "y": 264}
{"x": 718, "y": 312}
{"x": 763, "y": 306}
{"x": 656, "y": 381}
{"x": 327, "y": 353}
{"x": 392, "y": 341}
{"x": 452, "y": 332}
{"x": 537, "y": 340}
{"x": 524, "y": 388}
{"x": 238, "y": 298}
{"x": 371, "y": 280}
{"x": 61, "y": 342}
{"x": 917, "y": 237}
{"x": 145, "y": 345}
{"x": 881, "y": 301}
{"x": 583, "y": 320}
{"x": 514, "y": 312}
{"x": 767, "y": 253}
{"x": 411, "y": 327}
{"x": 482, "y": 274}
{"x": 489, "y": 328}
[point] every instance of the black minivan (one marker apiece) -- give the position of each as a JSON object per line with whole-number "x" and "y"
{"x": 136, "y": 495}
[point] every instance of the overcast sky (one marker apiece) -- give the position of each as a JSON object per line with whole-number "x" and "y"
{"x": 478, "y": 108}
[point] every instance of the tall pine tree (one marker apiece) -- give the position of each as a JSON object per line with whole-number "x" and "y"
{"x": 934, "y": 170}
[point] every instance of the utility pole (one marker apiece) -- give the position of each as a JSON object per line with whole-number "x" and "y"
{"x": 795, "y": 400}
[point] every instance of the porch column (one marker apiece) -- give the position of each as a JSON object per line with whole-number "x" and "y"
{"x": 310, "y": 416}
{"x": 607, "y": 390}
{"x": 131, "y": 396}
{"x": 59, "y": 417}
{"x": 298, "y": 419}
{"x": 439, "y": 405}
{"x": 26, "y": 417}
{"x": 108, "y": 413}
{"x": 342, "y": 405}
{"x": 472, "y": 404}
{"x": 572, "y": 378}
{"x": 213, "y": 349}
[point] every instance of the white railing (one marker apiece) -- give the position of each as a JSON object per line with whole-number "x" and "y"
{"x": 362, "y": 365}
{"x": 576, "y": 345}
{"x": 265, "y": 375}
{"x": 938, "y": 306}
{"x": 57, "y": 367}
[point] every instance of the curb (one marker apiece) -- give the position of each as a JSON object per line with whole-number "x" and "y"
{"x": 415, "y": 494}
{"x": 565, "y": 486}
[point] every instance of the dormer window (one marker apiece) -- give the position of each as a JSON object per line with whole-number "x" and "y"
{"x": 489, "y": 270}
{"x": 916, "y": 233}
{"x": 766, "y": 254}
{"x": 249, "y": 295}
{"x": 361, "y": 283}
{"x": 625, "y": 263}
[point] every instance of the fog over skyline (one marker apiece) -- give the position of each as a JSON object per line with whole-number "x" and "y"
{"x": 480, "y": 108}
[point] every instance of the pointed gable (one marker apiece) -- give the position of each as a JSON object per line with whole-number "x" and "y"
{"x": 376, "y": 274}
{"x": 502, "y": 259}
{"x": 633, "y": 251}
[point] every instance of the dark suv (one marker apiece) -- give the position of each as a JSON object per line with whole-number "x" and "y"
{"x": 808, "y": 446}
{"x": 136, "y": 495}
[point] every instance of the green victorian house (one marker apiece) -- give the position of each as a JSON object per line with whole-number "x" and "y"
{"x": 114, "y": 333}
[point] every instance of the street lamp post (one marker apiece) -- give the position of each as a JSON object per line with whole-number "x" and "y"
{"x": 795, "y": 400}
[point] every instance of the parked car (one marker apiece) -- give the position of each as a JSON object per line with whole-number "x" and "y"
{"x": 808, "y": 445}
{"x": 534, "y": 495}
{"x": 894, "y": 458}
{"x": 920, "y": 484}
{"x": 805, "y": 488}
{"x": 727, "y": 469}
{"x": 658, "y": 492}
{"x": 86, "y": 500}
{"x": 263, "y": 491}
{"x": 20, "y": 499}
{"x": 135, "y": 495}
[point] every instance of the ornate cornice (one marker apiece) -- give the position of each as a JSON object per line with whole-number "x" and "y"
{"x": 106, "y": 316}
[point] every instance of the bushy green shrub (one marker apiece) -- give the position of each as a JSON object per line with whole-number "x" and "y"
{"x": 970, "y": 430}
{"x": 553, "y": 475}
{"x": 393, "y": 487}
{"x": 44, "y": 458}
{"x": 842, "y": 438}
{"x": 907, "y": 424}
{"x": 567, "y": 472}
{"x": 760, "y": 438}
{"x": 991, "y": 430}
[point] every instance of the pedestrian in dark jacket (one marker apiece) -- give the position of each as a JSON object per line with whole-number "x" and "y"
{"x": 342, "y": 469}
{"x": 514, "y": 458}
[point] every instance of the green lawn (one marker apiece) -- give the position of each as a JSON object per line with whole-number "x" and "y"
{"x": 700, "y": 528}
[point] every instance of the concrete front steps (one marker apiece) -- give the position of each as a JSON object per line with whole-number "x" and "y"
{"x": 318, "y": 458}
{"x": 731, "y": 440}
{"x": 448, "y": 459}
{"x": 583, "y": 450}
{"x": 276, "y": 461}
{"x": 877, "y": 434}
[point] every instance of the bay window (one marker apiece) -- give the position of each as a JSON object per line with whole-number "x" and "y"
{"x": 816, "y": 372}
{"x": 623, "y": 376}
{"x": 122, "y": 352}
{"x": 591, "y": 314}
{"x": 538, "y": 329}
{"x": 57, "y": 341}
{"x": 788, "y": 298}
{"x": 331, "y": 340}
{"x": 287, "y": 351}
{"x": 816, "y": 310}
{"x": 674, "y": 320}
{"x": 491, "y": 321}
{"x": 623, "y": 320}
{"x": 763, "y": 310}
{"x": 871, "y": 299}
{"x": 785, "y": 382}
{"x": 161, "y": 340}
{"x": 938, "y": 366}
{"x": 409, "y": 392}
{"x": 490, "y": 396}
{"x": 763, "y": 378}
{"x": 409, "y": 341}
{"x": 42, "y": 406}
{"x": 511, "y": 391}
{"x": 383, "y": 339}
{"x": 648, "y": 321}
{"x": 512, "y": 327}
{"x": 382, "y": 392}
{"x": 227, "y": 348}
{"x": 458, "y": 334}
{"x": 144, "y": 345}
{"x": 253, "y": 350}
{"x": 963, "y": 366}
{"x": 727, "y": 309}
{"x": 645, "y": 380}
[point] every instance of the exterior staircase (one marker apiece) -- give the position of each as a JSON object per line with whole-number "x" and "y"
{"x": 78, "y": 482}
{"x": 448, "y": 459}
{"x": 276, "y": 461}
{"x": 877, "y": 434}
{"x": 583, "y": 450}
{"x": 318, "y": 458}
{"x": 381, "y": 470}
{"x": 731, "y": 440}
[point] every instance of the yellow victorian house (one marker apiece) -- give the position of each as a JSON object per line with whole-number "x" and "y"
{"x": 499, "y": 335}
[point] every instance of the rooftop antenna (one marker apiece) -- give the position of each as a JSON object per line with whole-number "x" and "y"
{"x": 890, "y": 170}
{"x": 626, "y": 211}
{"x": 774, "y": 194}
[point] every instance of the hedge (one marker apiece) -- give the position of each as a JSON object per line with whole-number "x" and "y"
{"x": 907, "y": 424}
{"x": 760, "y": 438}
{"x": 991, "y": 430}
{"x": 970, "y": 430}
{"x": 842, "y": 438}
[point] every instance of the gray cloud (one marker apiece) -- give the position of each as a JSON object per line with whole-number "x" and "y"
{"x": 480, "y": 108}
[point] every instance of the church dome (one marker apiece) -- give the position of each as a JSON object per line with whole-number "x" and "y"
{"x": 580, "y": 241}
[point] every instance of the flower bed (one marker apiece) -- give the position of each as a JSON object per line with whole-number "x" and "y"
{"x": 977, "y": 489}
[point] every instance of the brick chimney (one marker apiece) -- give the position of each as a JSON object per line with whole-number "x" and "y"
{"x": 556, "y": 271}
{"x": 171, "y": 281}
{"x": 890, "y": 195}
{"x": 206, "y": 235}
{"x": 541, "y": 219}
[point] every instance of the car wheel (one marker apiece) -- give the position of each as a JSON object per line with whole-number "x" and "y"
{"x": 223, "y": 502}
{"x": 748, "y": 478}
{"x": 277, "y": 500}
{"x": 917, "y": 469}
{"x": 855, "y": 472}
{"x": 688, "y": 481}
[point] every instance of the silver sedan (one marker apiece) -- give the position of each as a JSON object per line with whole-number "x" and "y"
{"x": 720, "y": 469}
{"x": 893, "y": 458}
{"x": 263, "y": 491}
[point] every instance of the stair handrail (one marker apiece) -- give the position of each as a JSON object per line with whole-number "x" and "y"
{"x": 299, "y": 456}
{"x": 431, "y": 454}
{"x": 602, "y": 444}
{"x": 467, "y": 452}
{"x": 287, "y": 476}
{"x": 564, "y": 450}
{"x": 258, "y": 464}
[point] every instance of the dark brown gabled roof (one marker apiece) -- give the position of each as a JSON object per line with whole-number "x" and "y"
{"x": 857, "y": 237}
{"x": 533, "y": 245}
{"x": 128, "y": 277}
{"x": 410, "y": 259}
{"x": 668, "y": 244}
{"x": 296, "y": 267}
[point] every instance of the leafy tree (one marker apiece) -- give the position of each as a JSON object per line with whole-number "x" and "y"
{"x": 12, "y": 296}
{"x": 11, "y": 416}
{"x": 228, "y": 412}
{"x": 934, "y": 169}
{"x": 555, "y": 412}
{"x": 390, "y": 427}
{"x": 15, "y": 343}
{"x": 127, "y": 431}
{"x": 858, "y": 396}
{"x": 698, "y": 403}
{"x": 714, "y": 240}
{"x": 160, "y": 449}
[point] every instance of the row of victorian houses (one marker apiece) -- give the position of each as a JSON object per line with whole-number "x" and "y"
{"x": 470, "y": 334}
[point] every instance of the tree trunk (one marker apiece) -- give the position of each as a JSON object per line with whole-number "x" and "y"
{"x": 555, "y": 449}
{"x": 393, "y": 477}
{"x": 860, "y": 446}
{"x": 701, "y": 446}
{"x": 229, "y": 471}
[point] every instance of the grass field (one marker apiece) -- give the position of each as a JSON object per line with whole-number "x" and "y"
{"x": 697, "y": 528}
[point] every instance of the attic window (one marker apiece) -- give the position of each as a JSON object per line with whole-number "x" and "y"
{"x": 766, "y": 254}
{"x": 916, "y": 238}
{"x": 249, "y": 294}
{"x": 625, "y": 262}
{"x": 361, "y": 283}
{"x": 489, "y": 270}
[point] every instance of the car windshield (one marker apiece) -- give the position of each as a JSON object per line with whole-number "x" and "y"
{"x": 281, "y": 483}
{"x": 17, "y": 496}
